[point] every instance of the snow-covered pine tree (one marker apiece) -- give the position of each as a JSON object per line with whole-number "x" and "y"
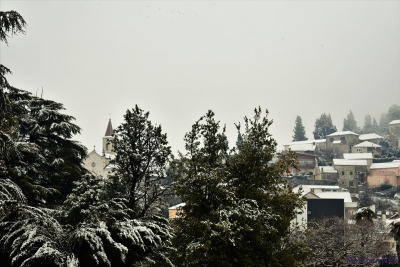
{"x": 200, "y": 181}
{"x": 35, "y": 137}
{"x": 105, "y": 232}
{"x": 11, "y": 23}
{"x": 142, "y": 157}
{"x": 29, "y": 236}
{"x": 238, "y": 209}
{"x": 46, "y": 161}
{"x": 266, "y": 238}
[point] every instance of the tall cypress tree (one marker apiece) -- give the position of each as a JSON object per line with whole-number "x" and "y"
{"x": 299, "y": 130}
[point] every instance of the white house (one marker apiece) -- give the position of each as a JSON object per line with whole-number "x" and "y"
{"x": 318, "y": 200}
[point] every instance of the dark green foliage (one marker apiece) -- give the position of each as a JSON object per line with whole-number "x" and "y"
{"x": 11, "y": 23}
{"x": 323, "y": 127}
{"x": 142, "y": 155}
{"x": 238, "y": 208}
{"x": 36, "y": 150}
{"x": 104, "y": 231}
{"x": 44, "y": 161}
{"x": 385, "y": 187}
{"x": 299, "y": 131}
{"x": 388, "y": 151}
{"x": 350, "y": 124}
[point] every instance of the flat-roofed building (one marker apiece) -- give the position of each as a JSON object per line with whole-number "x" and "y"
{"x": 350, "y": 172}
{"x": 384, "y": 173}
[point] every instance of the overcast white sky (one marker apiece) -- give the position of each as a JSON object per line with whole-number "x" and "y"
{"x": 177, "y": 59}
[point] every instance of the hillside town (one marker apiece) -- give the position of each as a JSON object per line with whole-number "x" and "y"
{"x": 227, "y": 197}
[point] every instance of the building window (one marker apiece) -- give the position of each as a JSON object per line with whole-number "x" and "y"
{"x": 331, "y": 139}
{"x": 359, "y": 150}
{"x": 342, "y": 172}
{"x": 351, "y": 173}
{"x": 329, "y": 177}
{"x": 380, "y": 181}
{"x": 342, "y": 138}
{"x": 351, "y": 184}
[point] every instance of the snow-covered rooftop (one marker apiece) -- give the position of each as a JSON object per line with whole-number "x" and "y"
{"x": 352, "y": 156}
{"x": 346, "y": 162}
{"x": 302, "y": 147}
{"x": 394, "y": 122}
{"x": 307, "y": 142}
{"x": 364, "y": 137}
{"x": 342, "y": 133}
{"x": 335, "y": 195}
{"x": 178, "y": 206}
{"x": 385, "y": 165}
{"x": 109, "y": 166}
{"x": 109, "y": 156}
{"x": 327, "y": 169}
{"x": 367, "y": 144}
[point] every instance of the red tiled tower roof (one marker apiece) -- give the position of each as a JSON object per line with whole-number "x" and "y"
{"x": 109, "y": 130}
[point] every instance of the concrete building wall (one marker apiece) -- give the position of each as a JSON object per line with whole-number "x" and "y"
{"x": 96, "y": 164}
{"x": 378, "y": 178}
{"x": 348, "y": 175}
{"x": 349, "y": 139}
{"x": 339, "y": 149}
{"x": 376, "y": 151}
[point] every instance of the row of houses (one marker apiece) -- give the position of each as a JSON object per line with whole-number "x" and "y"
{"x": 353, "y": 156}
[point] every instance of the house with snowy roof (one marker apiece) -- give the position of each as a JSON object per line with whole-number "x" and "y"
{"x": 367, "y": 147}
{"x": 99, "y": 163}
{"x": 341, "y": 142}
{"x": 174, "y": 211}
{"x": 384, "y": 173}
{"x": 371, "y": 137}
{"x": 323, "y": 201}
{"x": 354, "y": 156}
{"x": 308, "y": 146}
{"x": 350, "y": 172}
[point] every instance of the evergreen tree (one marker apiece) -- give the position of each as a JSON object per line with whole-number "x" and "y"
{"x": 299, "y": 131}
{"x": 104, "y": 231}
{"x": 350, "y": 123}
{"x": 323, "y": 126}
{"x": 394, "y": 113}
{"x": 237, "y": 206}
{"x": 142, "y": 157}
{"x": 46, "y": 161}
{"x": 35, "y": 137}
{"x": 370, "y": 125}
